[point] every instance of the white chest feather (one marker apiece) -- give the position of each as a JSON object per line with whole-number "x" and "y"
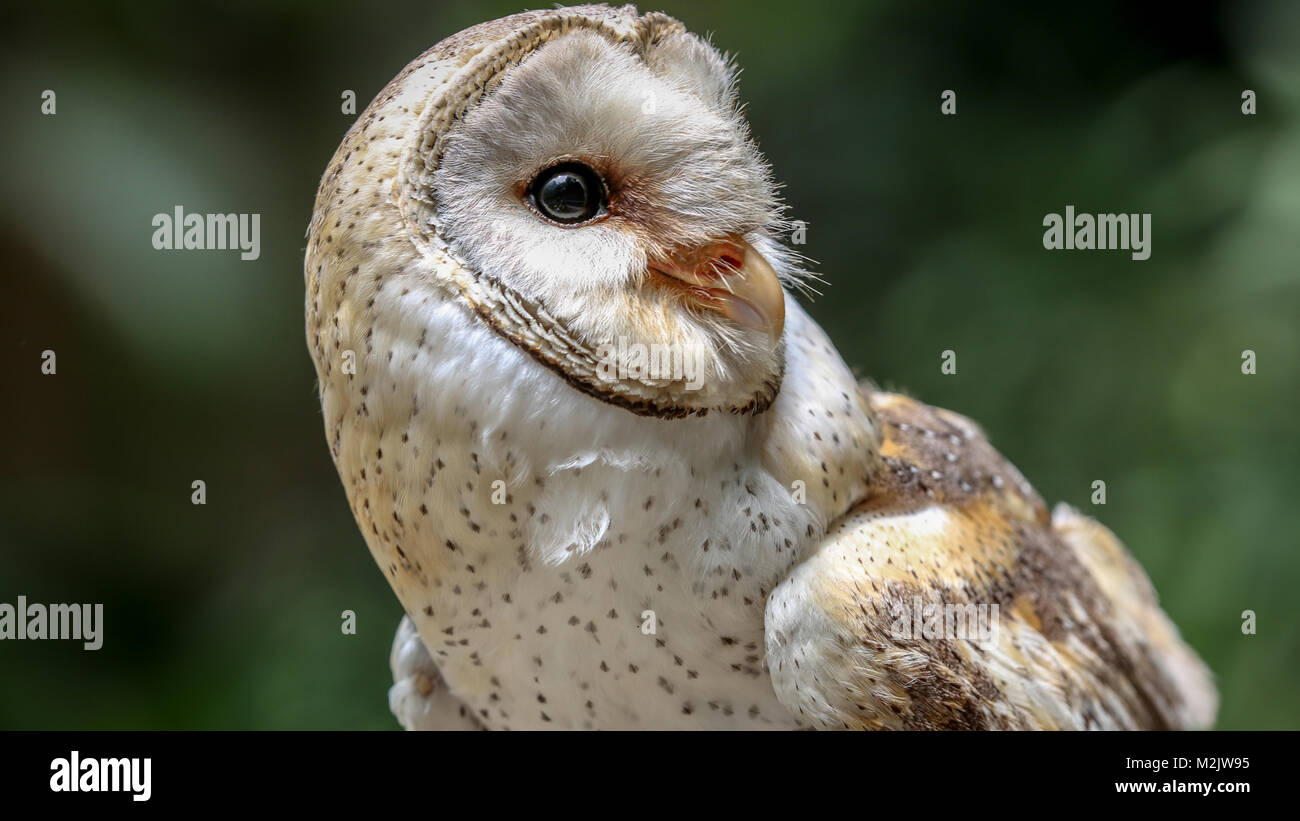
{"x": 568, "y": 563}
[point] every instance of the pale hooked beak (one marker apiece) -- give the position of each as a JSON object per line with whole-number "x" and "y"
{"x": 734, "y": 280}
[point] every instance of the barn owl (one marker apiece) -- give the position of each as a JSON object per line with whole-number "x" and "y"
{"x": 615, "y": 473}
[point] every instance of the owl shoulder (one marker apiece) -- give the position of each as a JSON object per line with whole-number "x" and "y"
{"x": 949, "y": 598}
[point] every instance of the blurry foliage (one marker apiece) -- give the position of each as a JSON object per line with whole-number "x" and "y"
{"x": 178, "y": 366}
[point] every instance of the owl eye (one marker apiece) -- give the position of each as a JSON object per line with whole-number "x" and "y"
{"x": 569, "y": 193}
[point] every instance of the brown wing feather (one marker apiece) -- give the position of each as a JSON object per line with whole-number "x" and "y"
{"x": 1076, "y": 638}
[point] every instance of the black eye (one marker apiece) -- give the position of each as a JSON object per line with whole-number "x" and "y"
{"x": 569, "y": 193}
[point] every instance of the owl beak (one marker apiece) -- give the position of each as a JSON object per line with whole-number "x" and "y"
{"x": 734, "y": 280}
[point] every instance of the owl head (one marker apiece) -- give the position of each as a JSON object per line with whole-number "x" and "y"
{"x": 582, "y": 181}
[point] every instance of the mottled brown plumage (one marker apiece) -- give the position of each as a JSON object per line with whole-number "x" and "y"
{"x": 1080, "y": 639}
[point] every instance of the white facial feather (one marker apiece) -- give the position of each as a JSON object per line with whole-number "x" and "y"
{"x": 679, "y": 161}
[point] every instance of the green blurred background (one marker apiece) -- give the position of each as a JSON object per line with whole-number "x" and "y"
{"x": 181, "y": 366}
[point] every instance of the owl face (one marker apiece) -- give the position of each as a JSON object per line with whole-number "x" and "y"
{"x": 608, "y": 191}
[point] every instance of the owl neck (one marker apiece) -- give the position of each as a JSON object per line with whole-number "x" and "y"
{"x": 597, "y": 467}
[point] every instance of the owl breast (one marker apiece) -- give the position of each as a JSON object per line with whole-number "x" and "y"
{"x": 568, "y": 563}
{"x": 555, "y": 581}
{"x": 647, "y": 618}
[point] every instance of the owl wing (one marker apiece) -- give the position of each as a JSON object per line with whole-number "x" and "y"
{"x": 948, "y": 598}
